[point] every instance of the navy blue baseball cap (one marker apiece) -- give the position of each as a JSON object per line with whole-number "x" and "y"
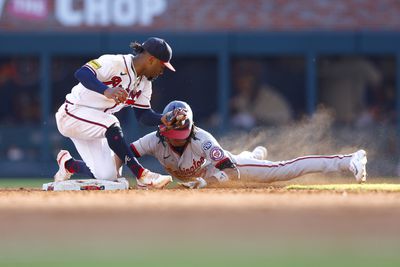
{"x": 159, "y": 49}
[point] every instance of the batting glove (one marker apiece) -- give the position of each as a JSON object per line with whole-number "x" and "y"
{"x": 198, "y": 184}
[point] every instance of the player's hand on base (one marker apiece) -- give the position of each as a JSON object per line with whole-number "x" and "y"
{"x": 198, "y": 184}
{"x": 118, "y": 94}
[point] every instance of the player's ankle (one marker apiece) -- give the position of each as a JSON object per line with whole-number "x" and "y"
{"x": 139, "y": 173}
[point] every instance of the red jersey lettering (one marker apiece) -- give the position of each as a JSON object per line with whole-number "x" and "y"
{"x": 115, "y": 81}
{"x": 132, "y": 97}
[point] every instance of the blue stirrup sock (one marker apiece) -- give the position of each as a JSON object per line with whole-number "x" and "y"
{"x": 79, "y": 167}
{"x": 117, "y": 143}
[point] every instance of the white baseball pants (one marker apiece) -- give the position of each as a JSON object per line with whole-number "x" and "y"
{"x": 86, "y": 127}
{"x": 269, "y": 171}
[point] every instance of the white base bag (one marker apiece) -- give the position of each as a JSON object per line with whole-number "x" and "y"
{"x": 87, "y": 184}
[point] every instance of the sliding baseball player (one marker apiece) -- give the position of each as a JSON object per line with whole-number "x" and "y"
{"x": 194, "y": 156}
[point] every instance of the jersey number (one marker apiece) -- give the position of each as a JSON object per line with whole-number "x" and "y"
{"x": 115, "y": 81}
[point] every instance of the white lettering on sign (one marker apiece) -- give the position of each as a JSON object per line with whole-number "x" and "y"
{"x": 66, "y": 14}
{"x": 2, "y": 3}
{"x": 96, "y": 12}
{"x": 124, "y": 13}
{"x": 108, "y": 12}
{"x": 28, "y": 9}
{"x": 34, "y": 7}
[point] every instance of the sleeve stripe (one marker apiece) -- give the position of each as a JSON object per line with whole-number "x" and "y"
{"x": 91, "y": 69}
{"x": 134, "y": 150}
{"x": 222, "y": 161}
{"x": 141, "y": 106}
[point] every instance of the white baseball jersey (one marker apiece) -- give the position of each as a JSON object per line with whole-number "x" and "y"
{"x": 87, "y": 115}
{"x": 203, "y": 154}
{"x": 113, "y": 71}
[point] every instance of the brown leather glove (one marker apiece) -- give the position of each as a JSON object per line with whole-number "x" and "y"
{"x": 174, "y": 119}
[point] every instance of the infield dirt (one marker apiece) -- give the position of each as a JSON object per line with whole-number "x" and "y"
{"x": 253, "y": 214}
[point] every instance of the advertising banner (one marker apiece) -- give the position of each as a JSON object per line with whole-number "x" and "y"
{"x": 198, "y": 15}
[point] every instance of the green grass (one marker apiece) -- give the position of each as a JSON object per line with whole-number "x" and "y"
{"x": 204, "y": 257}
{"x": 23, "y": 182}
{"x": 347, "y": 187}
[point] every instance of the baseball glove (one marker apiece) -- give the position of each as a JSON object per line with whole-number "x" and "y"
{"x": 175, "y": 119}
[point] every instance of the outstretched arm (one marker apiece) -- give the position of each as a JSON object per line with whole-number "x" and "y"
{"x": 228, "y": 168}
{"x": 150, "y": 118}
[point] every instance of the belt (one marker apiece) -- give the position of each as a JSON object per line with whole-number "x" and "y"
{"x": 66, "y": 101}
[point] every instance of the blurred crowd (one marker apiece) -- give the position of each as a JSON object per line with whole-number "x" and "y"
{"x": 19, "y": 91}
{"x": 360, "y": 90}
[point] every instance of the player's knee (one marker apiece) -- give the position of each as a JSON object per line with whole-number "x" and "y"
{"x": 114, "y": 131}
{"x": 106, "y": 174}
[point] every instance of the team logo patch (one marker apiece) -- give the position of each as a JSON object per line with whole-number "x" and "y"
{"x": 207, "y": 145}
{"x": 216, "y": 153}
{"x": 94, "y": 64}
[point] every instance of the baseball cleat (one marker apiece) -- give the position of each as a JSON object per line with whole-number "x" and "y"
{"x": 358, "y": 164}
{"x": 62, "y": 173}
{"x": 152, "y": 180}
{"x": 260, "y": 153}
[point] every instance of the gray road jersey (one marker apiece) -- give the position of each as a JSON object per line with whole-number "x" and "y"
{"x": 199, "y": 158}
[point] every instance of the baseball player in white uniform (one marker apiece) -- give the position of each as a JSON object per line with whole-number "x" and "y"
{"x": 106, "y": 85}
{"x": 194, "y": 156}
